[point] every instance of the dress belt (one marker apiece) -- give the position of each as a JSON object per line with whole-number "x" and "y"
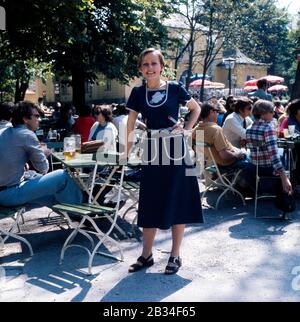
{"x": 169, "y": 129}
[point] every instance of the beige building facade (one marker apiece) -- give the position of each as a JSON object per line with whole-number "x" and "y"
{"x": 244, "y": 69}
{"x": 108, "y": 91}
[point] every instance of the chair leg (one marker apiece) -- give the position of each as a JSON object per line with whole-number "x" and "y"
{"x": 22, "y": 239}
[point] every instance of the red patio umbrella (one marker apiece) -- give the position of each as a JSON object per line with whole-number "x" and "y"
{"x": 216, "y": 85}
{"x": 277, "y": 88}
{"x": 198, "y": 82}
{"x": 251, "y": 82}
{"x": 273, "y": 79}
{"x": 250, "y": 88}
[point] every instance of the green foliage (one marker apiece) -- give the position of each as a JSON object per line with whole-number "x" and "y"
{"x": 84, "y": 37}
{"x": 211, "y": 19}
{"x": 262, "y": 31}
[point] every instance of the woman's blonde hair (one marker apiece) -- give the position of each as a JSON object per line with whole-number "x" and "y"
{"x": 148, "y": 51}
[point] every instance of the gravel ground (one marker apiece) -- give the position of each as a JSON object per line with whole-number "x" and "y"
{"x": 231, "y": 257}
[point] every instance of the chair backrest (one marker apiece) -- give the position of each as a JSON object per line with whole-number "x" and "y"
{"x": 257, "y": 144}
{"x": 209, "y": 146}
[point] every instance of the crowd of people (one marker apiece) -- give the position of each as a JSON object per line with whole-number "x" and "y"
{"x": 168, "y": 197}
{"x": 246, "y": 124}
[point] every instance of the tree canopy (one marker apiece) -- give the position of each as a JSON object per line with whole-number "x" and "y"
{"x": 81, "y": 38}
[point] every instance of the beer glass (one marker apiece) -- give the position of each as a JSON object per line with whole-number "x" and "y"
{"x": 69, "y": 148}
{"x": 77, "y": 138}
{"x": 291, "y": 129}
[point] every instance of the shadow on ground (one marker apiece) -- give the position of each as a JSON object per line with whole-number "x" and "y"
{"x": 143, "y": 286}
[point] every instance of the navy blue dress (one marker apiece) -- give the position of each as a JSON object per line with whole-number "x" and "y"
{"x": 168, "y": 196}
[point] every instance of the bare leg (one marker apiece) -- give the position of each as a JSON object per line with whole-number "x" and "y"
{"x": 148, "y": 238}
{"x": 177, "y": 236}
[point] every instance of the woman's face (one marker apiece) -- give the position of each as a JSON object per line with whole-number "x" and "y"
{"x": 100, "y": 117}
{"x": 151, "y": 67}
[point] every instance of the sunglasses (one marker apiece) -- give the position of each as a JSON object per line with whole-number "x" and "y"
{"x": 97, "y": 112}
{"x": 216, "y": 110}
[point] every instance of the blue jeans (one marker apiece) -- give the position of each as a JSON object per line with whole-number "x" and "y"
{"x": 45, "y": 190}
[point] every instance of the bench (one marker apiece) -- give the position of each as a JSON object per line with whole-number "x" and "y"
{"x": 84, "y": 224}
{"x": 16, "y": 214}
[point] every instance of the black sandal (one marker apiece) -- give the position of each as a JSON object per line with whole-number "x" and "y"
{"x": 173, "y": 266}
{"x": 141, "y": 263}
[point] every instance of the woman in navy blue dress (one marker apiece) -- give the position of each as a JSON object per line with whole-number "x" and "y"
{"x": 169, "y": 194}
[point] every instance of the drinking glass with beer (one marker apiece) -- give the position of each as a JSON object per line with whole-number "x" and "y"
{"x": 77, "y": 142}
{"x": 69, "y": 148}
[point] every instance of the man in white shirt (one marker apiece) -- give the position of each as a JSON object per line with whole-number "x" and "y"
{"x": 234, "y": 127}
{"x": 120, "y": 121}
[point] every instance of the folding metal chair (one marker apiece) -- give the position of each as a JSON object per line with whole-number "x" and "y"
{"x": 259, "y": 181}
{"x": 16, "y": 214}
{"x": 56, "y": 146}
{"x": 224, "y": 179}
{"x": 87, "y": 213}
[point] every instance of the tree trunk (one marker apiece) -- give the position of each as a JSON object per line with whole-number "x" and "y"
{"x": 190, "y": 68}
{"x": 17, "y": 90}
{"x": 20, "y": 90}
{"x": 296, "y": 86}
{"x": 204, "y": 71}
{"x": 78, "y": 85}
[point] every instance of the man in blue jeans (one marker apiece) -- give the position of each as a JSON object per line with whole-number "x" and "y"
{"x": 19, "y": 145}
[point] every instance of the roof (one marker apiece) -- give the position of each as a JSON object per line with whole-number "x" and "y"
{"x": 240, "y": 58}
{"x": 180, "y": 22}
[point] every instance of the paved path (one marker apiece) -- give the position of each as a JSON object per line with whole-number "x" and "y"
{"x": 232, "y": 257}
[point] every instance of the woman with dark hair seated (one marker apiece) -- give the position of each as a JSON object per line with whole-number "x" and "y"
{"x": 103, "y": 129}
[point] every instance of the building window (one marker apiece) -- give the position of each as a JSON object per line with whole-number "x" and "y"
{"x": 108, "y": 85}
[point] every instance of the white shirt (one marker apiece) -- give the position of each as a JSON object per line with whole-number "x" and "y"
{"x": 5, "y": 124}
{"x": 233, "y": 128}
{"x": 121, "y": 124}
{"x": 108, "y": 134}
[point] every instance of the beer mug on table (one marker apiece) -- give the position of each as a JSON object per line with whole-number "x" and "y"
{"x": 77, "y": 138}
{"x": 69, "y": 148}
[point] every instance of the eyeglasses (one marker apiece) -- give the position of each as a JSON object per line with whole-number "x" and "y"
{"x": 216, "y": 110}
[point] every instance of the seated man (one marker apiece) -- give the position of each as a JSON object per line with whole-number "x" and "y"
{"x": 224, "y": 153}
{"x": 20, "y": 145}
{"x": 234, "y": 127}
{"x": 268, "y": 160}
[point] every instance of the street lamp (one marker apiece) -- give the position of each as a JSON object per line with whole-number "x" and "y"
{"x": 229, "y": 64}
